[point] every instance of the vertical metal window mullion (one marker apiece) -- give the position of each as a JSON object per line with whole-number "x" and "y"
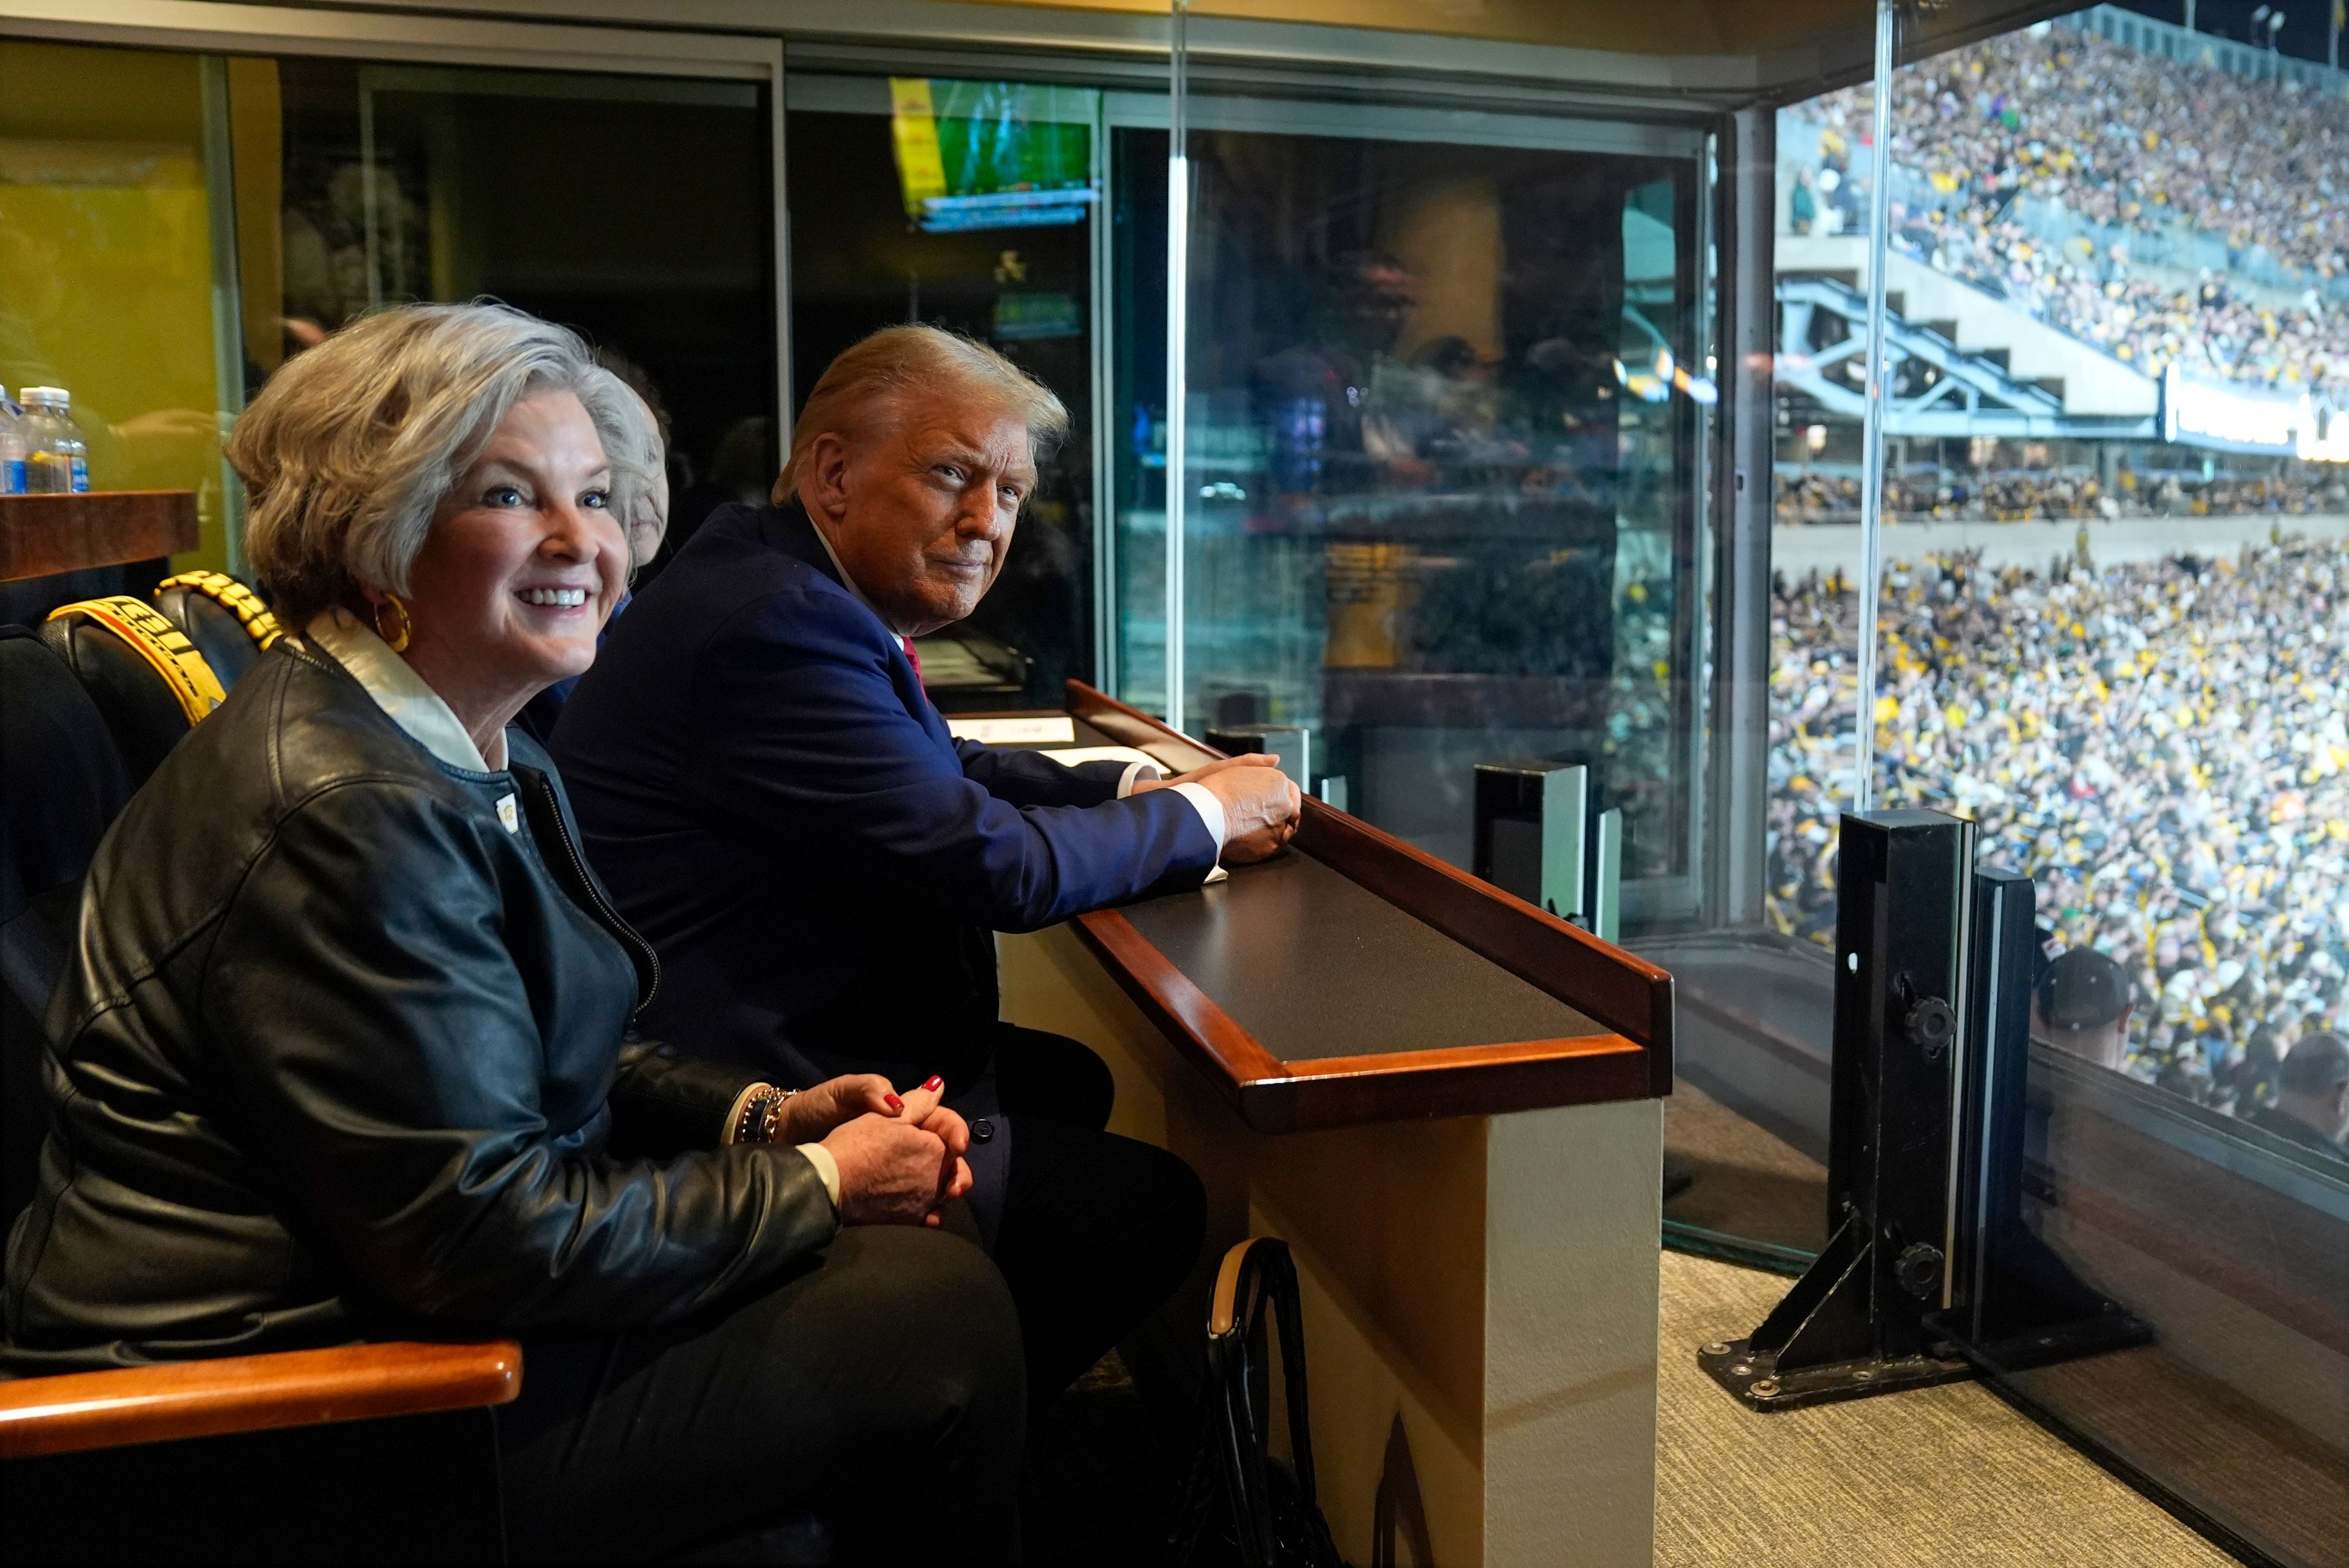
{"x": 1741, "y": 655}
{"x": 1871, "y": 499}
{"x": 784, "y": 407}
{"x": 1178, "y": 392}
{"x": 227, "y": 294}
{"x": 1107, "y": 674}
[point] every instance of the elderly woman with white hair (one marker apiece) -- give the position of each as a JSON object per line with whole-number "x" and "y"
{"x": 344, "y": 1051}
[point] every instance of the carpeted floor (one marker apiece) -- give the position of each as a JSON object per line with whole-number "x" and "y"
{"x": 1949, "y": 1476}
{"x": 1938, "y": 1476}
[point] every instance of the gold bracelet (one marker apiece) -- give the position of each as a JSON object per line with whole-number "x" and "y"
{"x": 758, "y": 1115}
{"x": 771, "y": 1116}
{"x": 740, "y": 1115}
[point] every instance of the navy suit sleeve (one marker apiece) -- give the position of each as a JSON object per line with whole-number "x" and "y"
{"x": 1033, "y": 779}
{"x": 806, "y": 744}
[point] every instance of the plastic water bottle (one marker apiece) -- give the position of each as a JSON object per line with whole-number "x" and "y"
{"x": 57, "y": 456}
{"x": 11, "y": 448}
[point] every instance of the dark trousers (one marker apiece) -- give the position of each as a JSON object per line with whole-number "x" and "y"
{"x": 1096, "y": 1230}
{"x": 880, "y": 1386}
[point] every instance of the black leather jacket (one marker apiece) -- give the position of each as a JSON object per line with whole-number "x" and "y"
{"x": 342, "y": 1052}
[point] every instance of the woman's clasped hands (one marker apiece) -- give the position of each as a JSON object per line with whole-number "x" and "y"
{"x": 901, "y": 1158}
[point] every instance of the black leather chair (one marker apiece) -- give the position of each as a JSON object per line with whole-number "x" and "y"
{"x": 149, "y": 683}
{"x": 61, "y": 782}
{"x": 227, "y": 622}
{"x": 368, "y": 1452}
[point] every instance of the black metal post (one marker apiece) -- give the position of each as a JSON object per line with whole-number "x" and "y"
{"x": 1855, "y": 1324}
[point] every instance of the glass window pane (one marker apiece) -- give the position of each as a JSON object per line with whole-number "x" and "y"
{"x": 1746, "y": 1128}
{"x": 2109, "y": 631}
{"x": 1443, "y": 481}
{"x": 176, "y": 225}
{"x": 969, "y": 205}
{"x": 114, "y": 225}
{"x": 561, "y": 193}
{"x": 1138, "y": 228}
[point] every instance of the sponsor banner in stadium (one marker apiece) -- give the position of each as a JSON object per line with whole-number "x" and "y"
{"x": 2236, "y": 419}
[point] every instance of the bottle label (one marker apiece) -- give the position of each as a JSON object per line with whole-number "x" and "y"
{"x": 80, "y": 475}
{"x": 12, "y": 477}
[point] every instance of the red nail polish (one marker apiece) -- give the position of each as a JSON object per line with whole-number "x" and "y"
{"x": 935, "y": 1082}
{"x": 895, "y": 1103}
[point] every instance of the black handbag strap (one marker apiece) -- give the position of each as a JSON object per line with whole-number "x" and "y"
{"x": 1255, "y": 1297}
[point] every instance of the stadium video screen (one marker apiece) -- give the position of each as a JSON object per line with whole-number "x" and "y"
{"x": 992, "y": 155}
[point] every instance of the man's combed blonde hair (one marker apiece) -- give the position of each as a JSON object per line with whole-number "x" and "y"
{"x": 352, "y": 446}
{"x": 855, "y": 389}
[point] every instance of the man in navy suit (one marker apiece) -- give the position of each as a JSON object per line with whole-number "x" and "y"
{"x": 776, "y": 804}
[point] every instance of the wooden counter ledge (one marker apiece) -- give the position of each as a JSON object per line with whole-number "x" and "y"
{"x": 1355, "y": 978}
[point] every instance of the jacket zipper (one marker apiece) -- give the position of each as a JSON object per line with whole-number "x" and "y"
{"x": 597, "y": 901}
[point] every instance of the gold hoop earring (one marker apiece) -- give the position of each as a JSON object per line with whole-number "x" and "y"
{"x": 396, "y": 641}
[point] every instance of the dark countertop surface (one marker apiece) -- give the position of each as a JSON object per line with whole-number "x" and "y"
{"x": 1314, "y": 965}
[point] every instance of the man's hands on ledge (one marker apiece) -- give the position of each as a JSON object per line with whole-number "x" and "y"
{"x": 1260, "y": 805}
{"x": 901, "y": 1160}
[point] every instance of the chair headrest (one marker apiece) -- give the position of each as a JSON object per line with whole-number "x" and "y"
{"x": 147, "y": 679}
{"x": 225, "y": 620}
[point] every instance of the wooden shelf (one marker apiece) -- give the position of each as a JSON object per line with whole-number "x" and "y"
{"x": 43, "y": 534}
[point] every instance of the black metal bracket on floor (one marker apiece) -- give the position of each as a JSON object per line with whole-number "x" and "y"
{"x": 1820, "y": 1345}
{"x": 1932, "y": 1272}
{"x": 1907, "y": 1013}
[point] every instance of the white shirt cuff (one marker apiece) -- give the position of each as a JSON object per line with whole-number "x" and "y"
{"x": 1211, "y": 811}
{"x": 827, "y": 1169}
{"x": 1134, "y": 773}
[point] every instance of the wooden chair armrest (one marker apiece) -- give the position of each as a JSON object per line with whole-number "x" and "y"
{"x": 81, "y": 1410}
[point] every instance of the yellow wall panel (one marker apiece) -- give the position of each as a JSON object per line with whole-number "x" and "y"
{"x": 105, "y": 262}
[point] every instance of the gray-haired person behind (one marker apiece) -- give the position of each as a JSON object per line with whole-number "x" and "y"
{"x": 345, "y": 1048}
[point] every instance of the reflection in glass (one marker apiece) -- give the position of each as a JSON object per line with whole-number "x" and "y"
{"x": 115, "y": 217}
{"x": 969, "y": 205}
{"x": 2171, "y": 1281}
{"x": 1441, "y": 470}
{"x": 562, "y": 194}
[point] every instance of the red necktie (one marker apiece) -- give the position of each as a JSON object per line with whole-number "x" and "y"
{"x": 912, "y": 657}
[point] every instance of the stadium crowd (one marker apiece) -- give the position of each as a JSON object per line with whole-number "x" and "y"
{"x": 2164, "y": 746}
{"x": 2126, "y": 139}
{"x": 2055, "y": 494}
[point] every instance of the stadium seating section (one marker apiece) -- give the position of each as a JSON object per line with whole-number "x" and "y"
{"x": 2132, "y": 144}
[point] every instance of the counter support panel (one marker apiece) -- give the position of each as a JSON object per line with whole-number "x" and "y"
{"x": 1449, "y": 1103}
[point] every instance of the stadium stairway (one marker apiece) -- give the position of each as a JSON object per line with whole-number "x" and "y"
{"x": 2096, "y": 394}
